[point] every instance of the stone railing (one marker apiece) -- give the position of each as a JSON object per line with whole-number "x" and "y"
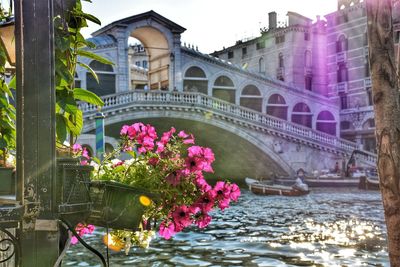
{"x": 220, "y": 107}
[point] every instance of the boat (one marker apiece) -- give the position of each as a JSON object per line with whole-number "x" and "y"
{"x": 260, "y": 188}
{"x": 322, "y": 181}
{"x": 369, "y": 183}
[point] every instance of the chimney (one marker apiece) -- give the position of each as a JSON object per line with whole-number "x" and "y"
{"x": 272, "y": 20}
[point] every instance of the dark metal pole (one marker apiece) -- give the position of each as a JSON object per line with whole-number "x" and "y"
{"x": 36, "y": 158}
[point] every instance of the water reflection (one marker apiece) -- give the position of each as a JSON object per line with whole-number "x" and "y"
{"x": 325, "y": 228}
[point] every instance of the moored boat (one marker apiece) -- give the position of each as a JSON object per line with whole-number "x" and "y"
{"x": 369, "y": 183}
{"x": 259, "y": 188}
{"x": 327, "y": 180}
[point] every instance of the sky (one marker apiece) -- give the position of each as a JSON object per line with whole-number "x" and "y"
{"x": 210, "y": 24}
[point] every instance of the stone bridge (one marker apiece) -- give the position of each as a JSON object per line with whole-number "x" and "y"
{"x": 246, "y": 142}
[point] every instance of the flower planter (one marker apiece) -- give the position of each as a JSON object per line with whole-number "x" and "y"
{"x": 7, "y": 181}
{"x": 73, "y": 196}
{"x": 116, "y": 205}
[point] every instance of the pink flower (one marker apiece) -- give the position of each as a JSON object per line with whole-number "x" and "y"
{"x": 199, "y": 159}
{"x": 235, "y": 192}
{"x": 167, "y": 229}
{"x": 203, "y": 220}
{"x": 74, "y": 240}
{"x": 76, "y": 148}
{"x": 181, "y": 217}
{"x": 223, "y": 192}
{"x": 153, "y": 161}
{"x": 206, "y": 201}
{"x": 201, "y": 182}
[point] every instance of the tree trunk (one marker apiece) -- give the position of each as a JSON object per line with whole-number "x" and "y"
{"x": 387, "y": 116}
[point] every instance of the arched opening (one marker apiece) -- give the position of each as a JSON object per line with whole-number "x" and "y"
{"x": 326, "y": 123}
{"x": 369, "y": 124}
{"x": 251, "y": 98}
{"x": 280, "y": 60}
{"x": 341, "y": 44}
{"x": 277, "y": 106}
{"x": 224, "y": 89}
{"x": 108, "y": 148}
{"x": 139, "y": 63}
{"x": 302, "y": 115}
{"x": 160, "y": 59}
{"x": 195, "y": 80}
{"x": 106, "y": 76}
{"x": 261, "y": 66}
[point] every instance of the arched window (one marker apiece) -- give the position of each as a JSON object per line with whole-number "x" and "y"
{"x": 277, "y": 106}
{"x": 326, "y": 123}
{"x": 280, "y": 60}
{"x": 106, "y": 76}
{"x": 251, "y": 98}
{"x": 369, "y": 124}
{"x": 195, "y": 80}
{"x": 342, "y": 74}
{"x": 301, "y": 114}
{"x": 261, "y": 66}
{"x": 341, "y": 44}
{"x": 224, "y": 89}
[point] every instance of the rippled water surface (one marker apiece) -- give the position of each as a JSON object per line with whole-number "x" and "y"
{"x": 329, "y": 227}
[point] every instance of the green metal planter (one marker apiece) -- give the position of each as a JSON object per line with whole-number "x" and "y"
{"x": 72, "y": 195}
{"x": 7, "y": 181}
{"x": 116, "y": 205}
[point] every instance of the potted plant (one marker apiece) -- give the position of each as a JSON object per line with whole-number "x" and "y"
{"x": 160, "y": 181}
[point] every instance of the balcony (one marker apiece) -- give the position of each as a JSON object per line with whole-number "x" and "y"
{"x": 342, "y": 87}
{"x": 341, "y": 57}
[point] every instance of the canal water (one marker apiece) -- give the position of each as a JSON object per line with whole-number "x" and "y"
{"x": 329, "y": 227}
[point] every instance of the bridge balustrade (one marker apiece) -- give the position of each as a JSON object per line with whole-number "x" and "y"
{"x": 229, "y": 110}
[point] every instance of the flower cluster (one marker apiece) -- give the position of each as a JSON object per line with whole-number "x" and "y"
{"x": 82, "y": 229}
{"x": 80, "y": 152}
{"x": 171, "y": 167}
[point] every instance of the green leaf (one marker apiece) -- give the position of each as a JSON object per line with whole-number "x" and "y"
{"x": 131, "y": 153}
{"x": 13, "y": 83}
{"x": 87, "y": 96}
{"x": 61, "y": 128}
{"x": 85, "y": 53}
{"x": 90, "y": 70}
{"x": 76, "y": 126}
{"x": 91, "y": 18}
{"x": 97, "y": 160}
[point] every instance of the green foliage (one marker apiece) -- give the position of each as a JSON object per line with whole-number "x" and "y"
{"x": 7, "y": 110}
{"x": 70, "y": 45}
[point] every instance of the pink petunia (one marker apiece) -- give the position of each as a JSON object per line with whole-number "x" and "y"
{"x": 167, "y": 229}
{"x": 206, "y": 202}
{"x": 181, "y": 217}
{"x": 235, "y": 192}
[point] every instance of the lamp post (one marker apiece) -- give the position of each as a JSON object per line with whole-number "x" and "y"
{"x": 99, "y": 119}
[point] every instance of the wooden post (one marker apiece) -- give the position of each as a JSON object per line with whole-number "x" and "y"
{"x": 385, "y": 90}
{"x": 36, "y": 157}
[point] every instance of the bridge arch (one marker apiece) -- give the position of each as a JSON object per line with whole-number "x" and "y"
{"x": 223, "y": 86}
{"x": 223, "y": 128}
{"x": 251, "y": 97}
{"x": 195, "y": 79}
{"x": 301, "y": 114}
{"x": 277, "y": 106}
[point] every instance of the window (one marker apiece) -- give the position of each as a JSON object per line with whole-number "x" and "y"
{"x": 260, "y": 44}
{"x": 195, "y": 80}
{"x": 279, "y": 39}
{"x": 106, "y": 75}
{"x": 277, "y": 106}
{"x": 261, "y": 66}
{"x": 308, "y": 83}
{"x": 144, "y": 64}
{"x": 280, "y": 60}
{"x": 306, "y": 36}
{"x": 137, "y": 63}
{"x": 230, "y": 54}
{"x": 326, "y": 123}
{"x": 341, "y": 19}
{"x": 341, "y": 44}
{"x": 343, "y": 101}
{"x": 369, "y": 95}
{"x": 365, "y": 38}
{"x": 342, "y": 75}
{"x": 367, "y": 74}
{"x": 397, "y": 37}
{"x": 244, "y": 51}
